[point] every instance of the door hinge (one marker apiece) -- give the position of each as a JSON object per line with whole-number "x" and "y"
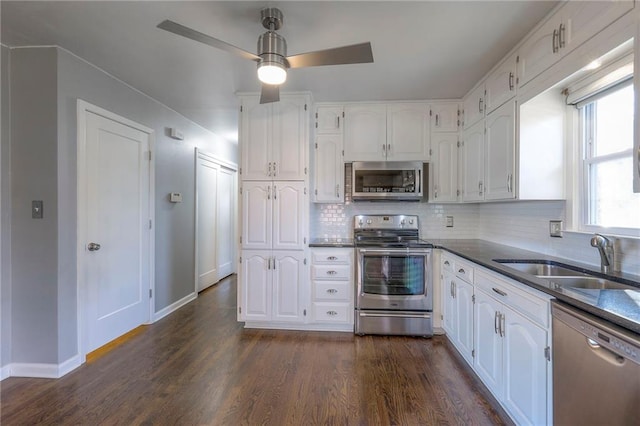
{"x": 342, "y": 114}
{"x": 240, "y": 108}
{"x": 315, "y": 191}
{"x": 305, "y": 259}
{"x": 150, "y": 224}
{"x": 473, "y": 299}
{"x": 316, "y": 118}
{"x": 430, "y": 151}
{"x": 240, "y": 190}
{"x": 240, "y": 170}
{"x": 430, "y": 113}
{"x": 305, "y": 170}
{"x": 316, "y": 145}
{"x": 517, "y": 59}
{"x": 150, "y": 293}
{"x": 240, "y": 259}
{"x": 316, "y": 123}
{"x": 458, "y": 113}
{"x": 458, "y": 123}
{"x": 239, "y": 309}
{"x": 441, "y": 317}
{"x": 305, "y": 107}
{"x": 304, "y": 241}
{"x": 305, "y": 191}
{"x": 547, "y": 353}
{"x": 304, "y": 312}
{"x": 473, "y": 353}
{"x": 457, "y": 192}
{"x": 343, "y": 152}
{"x": 240, "y": 239}
{"x": 458, "y": 144}
{"x": 149, "y": 155}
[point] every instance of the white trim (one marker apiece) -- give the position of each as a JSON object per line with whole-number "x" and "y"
{"x": 212, "y": 157}
{"x": 5, "y": 372}
{"x": 174, "y": 306}
{"x": 38, "y": 370}
{"x": 83, "y": 108}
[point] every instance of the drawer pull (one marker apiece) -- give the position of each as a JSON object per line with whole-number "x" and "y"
{"x": 332, "y": 313}
{"x": 446, "y": 262}
{"x": 500, "y": 292}
{"x": 332, "y": 258}
{"x": 331, "y": 272}
{"x": 461, "y": 271}
{"x": 332, "y": 291}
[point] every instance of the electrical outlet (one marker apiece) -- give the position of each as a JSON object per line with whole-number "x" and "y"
{"x": 449, "y": 221}
{"x": 555, "y": 228}
{"x": 36, "y": 209}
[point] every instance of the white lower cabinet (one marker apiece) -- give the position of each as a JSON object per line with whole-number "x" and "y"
{"x": 502, "y": 329}
{"x": 332, "y": 288}
{"x": 274, "y": 286}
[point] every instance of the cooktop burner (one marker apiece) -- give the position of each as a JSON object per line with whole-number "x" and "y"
{"x": 388, "y": 231}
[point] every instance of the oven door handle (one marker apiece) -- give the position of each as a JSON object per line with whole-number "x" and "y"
{"x": 395, "y": 315}
{"x": 407, "y": 250}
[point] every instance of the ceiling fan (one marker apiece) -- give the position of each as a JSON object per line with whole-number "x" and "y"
{"x": 272, "y": 56}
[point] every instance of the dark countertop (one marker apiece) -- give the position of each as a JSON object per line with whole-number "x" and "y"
{"x": 621, "y": 307}
{"x": 331, "y": 242}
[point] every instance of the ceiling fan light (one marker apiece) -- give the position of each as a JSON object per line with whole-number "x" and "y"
{"x": 272, "y": 73}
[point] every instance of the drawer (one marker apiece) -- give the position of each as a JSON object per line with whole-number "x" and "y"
{"x": 464, "y": 270}
{"x": 524, "y": 302}
{"x": 331, "y": 272}
{"x": 332, "y": 257}
{"x": 332, "y": 290}
{"x": 333, "y": 312}
{"x": 447, "y": 263}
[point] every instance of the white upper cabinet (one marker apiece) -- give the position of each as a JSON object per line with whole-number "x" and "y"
{"x": 444, "y": 168}
{"x": 329, "y": 169}
{"x": 472, "y": 163}
{"x": 445, "y": 117}
{"x": 274, "y": 138}
{"x": 365, "y": 132}
{"x": 500, "y": 86}
{"x": 474, "y": 106}
{"x": 573, "y": 24}
{"x": 408, "y": 132}
{"x": 499, "y": 153}
{"x": 386, "y": 132}
{"x": 329, "y": 119}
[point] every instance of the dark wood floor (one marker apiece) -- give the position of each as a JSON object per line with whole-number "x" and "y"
{"x": 198, "y": 366}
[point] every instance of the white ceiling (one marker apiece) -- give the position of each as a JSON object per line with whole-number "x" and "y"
{"x": 421, "y": 49}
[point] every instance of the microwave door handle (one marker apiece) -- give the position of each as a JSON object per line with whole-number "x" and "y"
{"x": 419, "y": 181}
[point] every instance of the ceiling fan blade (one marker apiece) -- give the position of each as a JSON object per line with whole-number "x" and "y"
{"x": 174, "y": 27}
{"x": 354, "y": 54}
{"x": 270, "y": 93}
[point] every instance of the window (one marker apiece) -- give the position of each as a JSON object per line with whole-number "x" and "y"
{"x": 608, "y": 200}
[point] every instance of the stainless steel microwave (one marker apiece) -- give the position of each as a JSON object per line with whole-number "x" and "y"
{"x": 388, "y": 181}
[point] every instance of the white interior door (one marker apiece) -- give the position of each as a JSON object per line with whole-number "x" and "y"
{"x": 207, "y": 236}
{"x": 114, "y": 236}
{"x": 226, "y": 221}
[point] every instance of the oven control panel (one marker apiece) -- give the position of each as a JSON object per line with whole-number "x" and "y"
{"x": 396, "y": 221}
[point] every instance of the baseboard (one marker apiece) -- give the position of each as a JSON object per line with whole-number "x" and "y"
{"x": 4, "y": 372}
{"x": 174, "y": 306}
{"x": 42, "y": 371}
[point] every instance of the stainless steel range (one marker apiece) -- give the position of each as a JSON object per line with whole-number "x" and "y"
{"x": 393, "y": 276}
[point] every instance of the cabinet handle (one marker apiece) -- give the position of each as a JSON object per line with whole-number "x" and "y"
{"x": 561, "y": 36}
{"x": 495, "y": 322}
{"x": 480, "y": 188}
{"x": 461, "y": 271}
{"x": 338, "y": 121}
{"x": 638, "y": 161}
{"x": 275, "y": 173}
{"x": 451, "y": 289}
{"x": 274, "y": 263}
{"x": 480, "y": 102}
{"x": 332, "y": 258}
{"x": 437, "y": 121}
{"x": 337, "y": 190}
{"x": 331, "y": 272}
{"x": 554, "y": 42}
{"x": 269, "y": 192}
{"x": 384, "y": 148}
{"x": 332, "y": 291}
{"x": 509, "y": 182}
{"x": 435, "y": 192}
{"x": 500, "y": 292}
{"x": 502, "y": 330}
{"x": 446, "y": 262}
{"x": 510, "y": 81}
{"x": 332, "y": 313}
{"x": 419, "y": 181}
{"x": 275, "y": 192}
{"x": 269, "y": 172}
{"x": 455, "y": 290}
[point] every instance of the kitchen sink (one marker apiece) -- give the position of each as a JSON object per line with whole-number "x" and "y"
{"x": 543, "y": 268}
{"x": 591, "y": 283}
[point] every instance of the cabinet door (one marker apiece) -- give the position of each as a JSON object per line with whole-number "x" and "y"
{"x": 329, "y": 169}
{"x": 289, "y": 140}
{"x": 539, "y": 51}
{"x": 255, "y": 285}
{"x": 488, "y": 360}
{"x": 472, "y": 163}
{"x": 256, "y": 215}
{"x": 525, "y": 366}
{"x": 448, "y": 308}
{"x": 444, "y": 117}
{"x": 365, "y": 132}
{"x": 255, "y": 139}
{"x": 444, "y": 167}
{"x": 501, "y": 84}
{"x": 499, "y": 153}
{"x": 474, "y": 107}
{"x": 329, "y": 119}
{"x": 289, "y": 286}
{"x": 408, "y": 132}
{"x": 289, "y": 201}
{"x": 463, "y": 295}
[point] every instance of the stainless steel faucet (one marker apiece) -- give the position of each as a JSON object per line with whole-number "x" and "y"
{"x": 605, "y": 248}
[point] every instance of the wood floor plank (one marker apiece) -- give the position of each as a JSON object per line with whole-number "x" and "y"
{"x": 199, "y": 366}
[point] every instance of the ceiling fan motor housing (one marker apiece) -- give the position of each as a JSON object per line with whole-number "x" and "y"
{"x": 272, "y": 48}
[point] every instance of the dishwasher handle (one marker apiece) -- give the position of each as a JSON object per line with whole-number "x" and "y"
{"x": 604, "y": 353}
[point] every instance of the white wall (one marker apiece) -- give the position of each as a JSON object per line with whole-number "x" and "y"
{"x": 5, "y": 211}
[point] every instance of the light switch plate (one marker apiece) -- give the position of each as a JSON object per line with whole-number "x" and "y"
{"x": 36, "y": 209}
{"x": 175, "y": 197}
{"x": 449, "y": 221}
{"x": 555, "y": 228}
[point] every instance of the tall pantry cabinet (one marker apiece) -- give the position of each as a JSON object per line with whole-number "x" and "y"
{"x": 272, "y": 283}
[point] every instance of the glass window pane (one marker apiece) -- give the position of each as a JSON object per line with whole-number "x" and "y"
{"x": 393, "y": 275}
{"x": 612, "y": 200}
{"x": 614, "y": 122}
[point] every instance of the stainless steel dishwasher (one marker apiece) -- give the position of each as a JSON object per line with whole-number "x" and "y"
{"x": 596, "y": 370}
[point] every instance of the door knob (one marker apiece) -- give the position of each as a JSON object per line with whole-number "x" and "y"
{"x": 93, "y": 246}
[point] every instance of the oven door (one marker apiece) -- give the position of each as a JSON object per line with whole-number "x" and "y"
{"x": 396, "y": 279}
